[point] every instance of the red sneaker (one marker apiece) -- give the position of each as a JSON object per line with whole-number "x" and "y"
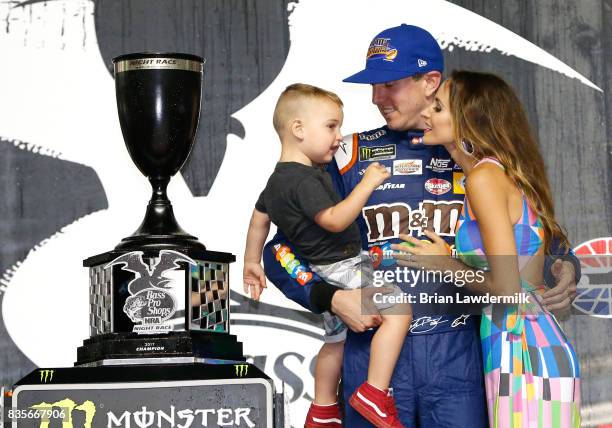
{"x": 376, "y": 406}
{"x": 323, "y": 416}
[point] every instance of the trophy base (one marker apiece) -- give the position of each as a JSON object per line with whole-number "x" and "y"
{"x": 129, "y": 347}
{"x": 160, "y": 242}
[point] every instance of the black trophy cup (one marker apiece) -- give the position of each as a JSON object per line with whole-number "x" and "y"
{"x": 158, "y": 100}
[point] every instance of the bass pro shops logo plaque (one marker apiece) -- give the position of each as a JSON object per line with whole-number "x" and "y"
{"x": 152, "y": 301}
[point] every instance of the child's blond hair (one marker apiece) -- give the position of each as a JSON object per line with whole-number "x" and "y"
{"x": 291, "y": 100}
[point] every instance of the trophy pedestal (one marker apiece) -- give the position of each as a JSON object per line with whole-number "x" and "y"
{"x": 237, "y": 395}
{"x": 159, "y": 303}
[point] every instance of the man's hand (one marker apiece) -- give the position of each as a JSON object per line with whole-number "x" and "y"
{"x": 560, "y": 297}
{"x": 347, "y": 304}
{"x": 254, "y": 279}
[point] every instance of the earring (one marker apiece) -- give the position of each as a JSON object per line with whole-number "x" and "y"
{"x": 467, "y": 146}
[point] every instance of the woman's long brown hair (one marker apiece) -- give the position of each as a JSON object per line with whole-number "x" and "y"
{"x": 487, "y": 113}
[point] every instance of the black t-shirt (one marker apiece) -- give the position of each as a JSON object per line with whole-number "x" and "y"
{"x": 295, "y": 193}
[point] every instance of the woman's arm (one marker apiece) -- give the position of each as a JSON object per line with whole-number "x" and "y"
{"x": 487, "y": 194}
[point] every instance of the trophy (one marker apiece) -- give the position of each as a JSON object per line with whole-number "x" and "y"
{"x": 159, "y": 343}
{"x": 159, "y": 293}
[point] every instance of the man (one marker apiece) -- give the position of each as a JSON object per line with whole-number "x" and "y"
{"x": 438, "y": 380}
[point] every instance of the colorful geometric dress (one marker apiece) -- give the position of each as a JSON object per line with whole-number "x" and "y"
{"x": 532, "y": 376}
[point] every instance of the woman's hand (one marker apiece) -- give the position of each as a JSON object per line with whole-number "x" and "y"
{"x": 420, "y": 253}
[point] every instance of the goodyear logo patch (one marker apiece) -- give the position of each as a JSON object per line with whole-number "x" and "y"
{"x": 381, "y": 49}
{"x": 376, "y": 153}
{"x": 293, "y": 266}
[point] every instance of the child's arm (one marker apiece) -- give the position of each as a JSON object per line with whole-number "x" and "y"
{"x": 343, "y": 214}
{"x": 253, "y": 275}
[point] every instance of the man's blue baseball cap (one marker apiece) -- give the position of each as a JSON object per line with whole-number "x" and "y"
{"x": 400, "y": 52}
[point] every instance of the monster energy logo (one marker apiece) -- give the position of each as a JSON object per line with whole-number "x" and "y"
{"x": 241, "y": 369}
{"x": 377, "y": 153}
{"x": 46, "y": 376}
{"x": 68, "y": 406}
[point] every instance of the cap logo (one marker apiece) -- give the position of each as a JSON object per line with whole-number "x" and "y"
{"x": 421, "y": 62}
{"x": 381, "y": 49}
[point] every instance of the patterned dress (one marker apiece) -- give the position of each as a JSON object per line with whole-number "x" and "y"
{"x": 531, "y": 370}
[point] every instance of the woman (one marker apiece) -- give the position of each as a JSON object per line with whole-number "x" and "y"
{"x": 507, "y": 223}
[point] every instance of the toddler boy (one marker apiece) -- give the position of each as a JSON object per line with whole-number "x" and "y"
{"x": 300, "y": 199}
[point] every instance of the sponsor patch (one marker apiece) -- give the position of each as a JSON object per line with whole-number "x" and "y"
{"x": 408, "y": 167}
{"x": 376, "y": 256}
{"x": 437, "y": 186}
{"x": 439, "y": 165}
{"x": 387, "y": 221}
{"x": 391, "y": 186}
{"x": 373, "y": 136}
{"x": 376, "y": 153}
{"x": 387, "y": 255}
{"x": 459, "y": 183}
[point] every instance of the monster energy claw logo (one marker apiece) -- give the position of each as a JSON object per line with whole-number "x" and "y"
{"x": 46, "y": 376}
{"x": 69, "y": 406}
{"x": 374, "y": 153}
{"x": 241, "y": 369}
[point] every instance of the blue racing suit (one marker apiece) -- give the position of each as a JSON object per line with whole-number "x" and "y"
{"x": 438, "y": 379}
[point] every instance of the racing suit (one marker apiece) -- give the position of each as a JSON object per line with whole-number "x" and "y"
{"x": 438, "y": 379}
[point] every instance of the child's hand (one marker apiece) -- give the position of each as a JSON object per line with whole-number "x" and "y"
{"x": 254, "y": 279}
{"x": 375, "y": 175}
